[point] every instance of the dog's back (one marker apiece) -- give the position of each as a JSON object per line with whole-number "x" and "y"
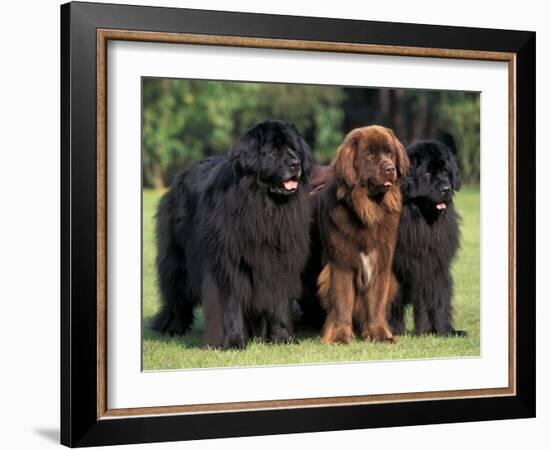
{"x": 175, "y": 214}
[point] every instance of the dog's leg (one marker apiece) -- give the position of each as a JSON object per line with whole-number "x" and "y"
{"x": 338, "y": 325}
{"x": 213, "y": 312}
{"x": 177, "y": 313}
{"x": 280, "y": 323}
{"x": 257, "y": 327}
{"x": 379, "y": 290}
{"x": 223, "y": 317}
{"x": 397, "y": 316}
{"x": 442, "y": 315}
{"x": 234, "y": 335}
{"x": 360, "y": 316}
{"x": 422, "y": 323}
{"x": 396, "y": 307}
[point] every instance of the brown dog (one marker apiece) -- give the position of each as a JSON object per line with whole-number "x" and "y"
{"x": 358, "y": 214}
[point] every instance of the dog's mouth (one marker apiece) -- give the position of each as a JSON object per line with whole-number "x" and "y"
{"x": 387, "y": 185}
{"x": 291, "y": 184}
{"x": 376, "y": 187}
{"x": 441, "y": 206}
{"x": 286, "y": 187}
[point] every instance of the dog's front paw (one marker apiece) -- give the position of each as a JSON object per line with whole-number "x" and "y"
{"x": 233, "y": 341}
{"x": 379, "y": 333}
{"x": 281, "y": 335}
{"x": 342, "y": 335}
{"x": 458, "y": 333}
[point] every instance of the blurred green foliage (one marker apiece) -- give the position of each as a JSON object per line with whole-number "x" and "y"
{"x": 461, "y": 114}
{"x": 187, "y": 120}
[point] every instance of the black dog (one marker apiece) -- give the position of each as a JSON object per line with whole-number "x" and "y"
{"x": 232, "y": 234}
{"x": 428, "y": 240}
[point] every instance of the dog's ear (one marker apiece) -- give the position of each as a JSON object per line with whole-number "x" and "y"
{"x": 408, "y": 182}
{"x": 456, "y": 179}
{"x": 402, "y": 162}
{"x": 449, "y": 141}
{"x": 344, "y": 160}
{"x": 307, "y": 158}
{"x": 245, "y": 152}
{"x": 452, "y": 166}
{"x": 407, "y": 185}
{"x": 304, "y": 151}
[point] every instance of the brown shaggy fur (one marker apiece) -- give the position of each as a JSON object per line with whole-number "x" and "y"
{"x": 358, "y": 214}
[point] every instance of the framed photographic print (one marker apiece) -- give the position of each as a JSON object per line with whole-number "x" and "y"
{"x": 276, "y": 224}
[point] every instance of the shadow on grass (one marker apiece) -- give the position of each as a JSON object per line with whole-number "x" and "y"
{"x": 193, "y": 338}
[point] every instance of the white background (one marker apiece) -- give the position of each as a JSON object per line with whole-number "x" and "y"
{"x": 29, "y": 229}
{"x": 129, "y": 387}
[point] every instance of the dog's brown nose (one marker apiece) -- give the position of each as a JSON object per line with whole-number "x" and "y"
{"x": 389, "y": 169}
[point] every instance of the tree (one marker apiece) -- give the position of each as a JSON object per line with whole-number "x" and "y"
{"x": 460, "y": 113}
{"x": 187, "y": 120}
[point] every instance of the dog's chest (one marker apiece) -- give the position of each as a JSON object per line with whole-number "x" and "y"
{"x": 365, "y": 269}
{"x": 367, "y": 264}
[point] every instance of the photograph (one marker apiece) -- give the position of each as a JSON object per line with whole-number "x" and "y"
{"x": 287, "y": 223}
{"x": 276, "y": 224}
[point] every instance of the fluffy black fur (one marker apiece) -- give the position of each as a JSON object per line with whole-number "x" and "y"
{"x": 428, "y": 240}
{"x": 232, "y": 234}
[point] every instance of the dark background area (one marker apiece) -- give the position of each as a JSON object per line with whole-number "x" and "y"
{"x": 187, "y": 120}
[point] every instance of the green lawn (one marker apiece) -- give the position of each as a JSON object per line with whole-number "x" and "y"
{"x": 160, "y": 352}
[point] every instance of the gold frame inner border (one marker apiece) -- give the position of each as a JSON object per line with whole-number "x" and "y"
{"x": 104, "y": 35}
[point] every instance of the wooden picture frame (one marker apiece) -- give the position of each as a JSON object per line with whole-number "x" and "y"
{"x": 85, "y": 417}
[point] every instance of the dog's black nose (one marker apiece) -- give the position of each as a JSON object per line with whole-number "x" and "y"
{"x": 446, "y": 190}
{"x": 294, "y": 164}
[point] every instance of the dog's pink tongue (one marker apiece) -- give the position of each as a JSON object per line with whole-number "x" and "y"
{"x": 441, "y": 206}
{"x": 290, "y": 185}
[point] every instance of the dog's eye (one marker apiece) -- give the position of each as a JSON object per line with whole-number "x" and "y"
{"x": 370, "y": 156}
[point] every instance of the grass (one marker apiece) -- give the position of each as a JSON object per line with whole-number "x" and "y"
{"x": 161, "y": 353}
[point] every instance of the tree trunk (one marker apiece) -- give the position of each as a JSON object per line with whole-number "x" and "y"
{"x": 153, "y": 175}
